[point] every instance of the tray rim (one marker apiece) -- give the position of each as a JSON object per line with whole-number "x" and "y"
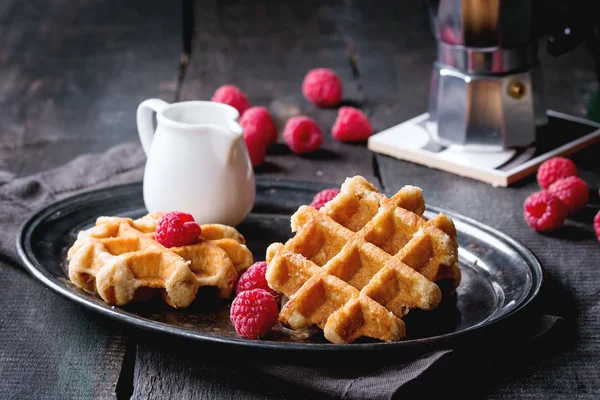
{"x": 25, "y": 253}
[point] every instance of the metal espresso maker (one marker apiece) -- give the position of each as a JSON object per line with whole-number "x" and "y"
{"x": 486, "y": 87}
{"x": 487, "y": 118}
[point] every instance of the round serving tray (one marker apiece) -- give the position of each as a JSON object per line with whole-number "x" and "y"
{"x": 500, "y": 276}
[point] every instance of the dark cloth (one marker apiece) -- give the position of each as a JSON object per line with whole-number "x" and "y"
{"x": 21, "y": 197}
{"x": 357, "y": 380}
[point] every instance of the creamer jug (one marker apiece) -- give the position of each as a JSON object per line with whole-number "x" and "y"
{"x": 197, "y": 161}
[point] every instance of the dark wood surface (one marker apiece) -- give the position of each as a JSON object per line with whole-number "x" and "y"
{"x": 266, "y": 48}
{"x": 71, "y": 77}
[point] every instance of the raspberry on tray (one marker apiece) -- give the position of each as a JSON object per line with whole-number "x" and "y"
{"x": 253, "y": 313}
{"x": 254, "y": 278}
{"x": 177, "y": 229}
{"x": 323, "y": 197}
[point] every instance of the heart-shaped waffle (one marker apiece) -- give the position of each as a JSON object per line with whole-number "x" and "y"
{"x": 360, "y": 263}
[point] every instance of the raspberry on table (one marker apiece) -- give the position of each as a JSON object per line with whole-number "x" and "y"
{"x": 233, "y": 96}
{"x": 257, "y": 147}
{"x": 254, "y": 278}
{"x": 351, "y": 125}
{"x": 253, "y": 313}
{"x": 572, "y": 191}
{"x": 176, "y": 229}
{"x": 257, "y": 120}
{"x": 543, "y": 211}
{"x": 554, "y": 169}
{"x": 323, "y": 197}
{"x": 597, "y": 225}
{"x": 302, "y": 134}
{"x": 322, "y": 87}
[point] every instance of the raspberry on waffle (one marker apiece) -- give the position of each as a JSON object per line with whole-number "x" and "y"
{"x": 359, "y": 264}
{"x": 120, "y": 260}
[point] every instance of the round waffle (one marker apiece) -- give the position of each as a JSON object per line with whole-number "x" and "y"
{"x": 120, "y": 260}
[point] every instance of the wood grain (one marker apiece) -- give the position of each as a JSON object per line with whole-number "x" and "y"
{"x": 387, "y": 49}
{"x": 50, "y": 348}
{"x": 394, "y": 65}
{"x": 168, "y": 372}
{"x": 73, "y": 73}
{"x": 266, "y": 48}
{"x": 71, "y": 76}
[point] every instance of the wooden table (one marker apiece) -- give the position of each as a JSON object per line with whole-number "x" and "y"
{"x": 72, "y": 75}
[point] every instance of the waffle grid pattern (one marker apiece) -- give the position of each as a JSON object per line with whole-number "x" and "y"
{"x": 359, "y": 264}
{"x": 119, "y": 259}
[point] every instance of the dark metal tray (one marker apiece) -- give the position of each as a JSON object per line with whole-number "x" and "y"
{"x": 500, "y": 276}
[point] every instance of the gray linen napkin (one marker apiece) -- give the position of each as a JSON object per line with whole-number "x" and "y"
{"x": 19, "y": 197}
{"x": 22, "y": 196}
{"x": 426, "y": 375}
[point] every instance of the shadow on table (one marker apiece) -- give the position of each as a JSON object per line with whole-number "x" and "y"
{"x": 478, "y": 365}
{"x": 280, "y": 149}
{"x": 521, "y": 360}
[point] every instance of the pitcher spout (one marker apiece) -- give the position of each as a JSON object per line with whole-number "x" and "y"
{"x": 228, "y": 141}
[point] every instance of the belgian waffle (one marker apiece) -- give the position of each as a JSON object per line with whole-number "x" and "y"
{"x": 359, "y": 264}
{"x": 119, "y": 259}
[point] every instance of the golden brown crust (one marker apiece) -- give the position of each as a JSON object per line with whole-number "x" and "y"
{"x": 359, "y": 264}
{"x": 119, "y": 259}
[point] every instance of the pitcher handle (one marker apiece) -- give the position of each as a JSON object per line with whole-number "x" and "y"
{"x": 144, "y": 120}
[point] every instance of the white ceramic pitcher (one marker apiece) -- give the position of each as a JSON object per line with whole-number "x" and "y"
{"x": 197, "y": 161}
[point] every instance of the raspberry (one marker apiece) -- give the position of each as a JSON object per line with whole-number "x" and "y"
{"x": 257, "y": 120}
{"x": 597, "y": 225}
{"x": 233, "y": 96}
{"x": 177, "y": 229}
{"x": 323, "y": 197}
{"x": 544, "y": 211}
{"x": 554, "y": 169}
{"x": 257, "y": 147}
{"x": 351, "y": 125}
{"x": 302, "y": 134}
{"x": 572, "y": 191}
{"x": 254, "y": 278}
{"x": 322, "y": 87}
{"x": 253, "y": 313}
